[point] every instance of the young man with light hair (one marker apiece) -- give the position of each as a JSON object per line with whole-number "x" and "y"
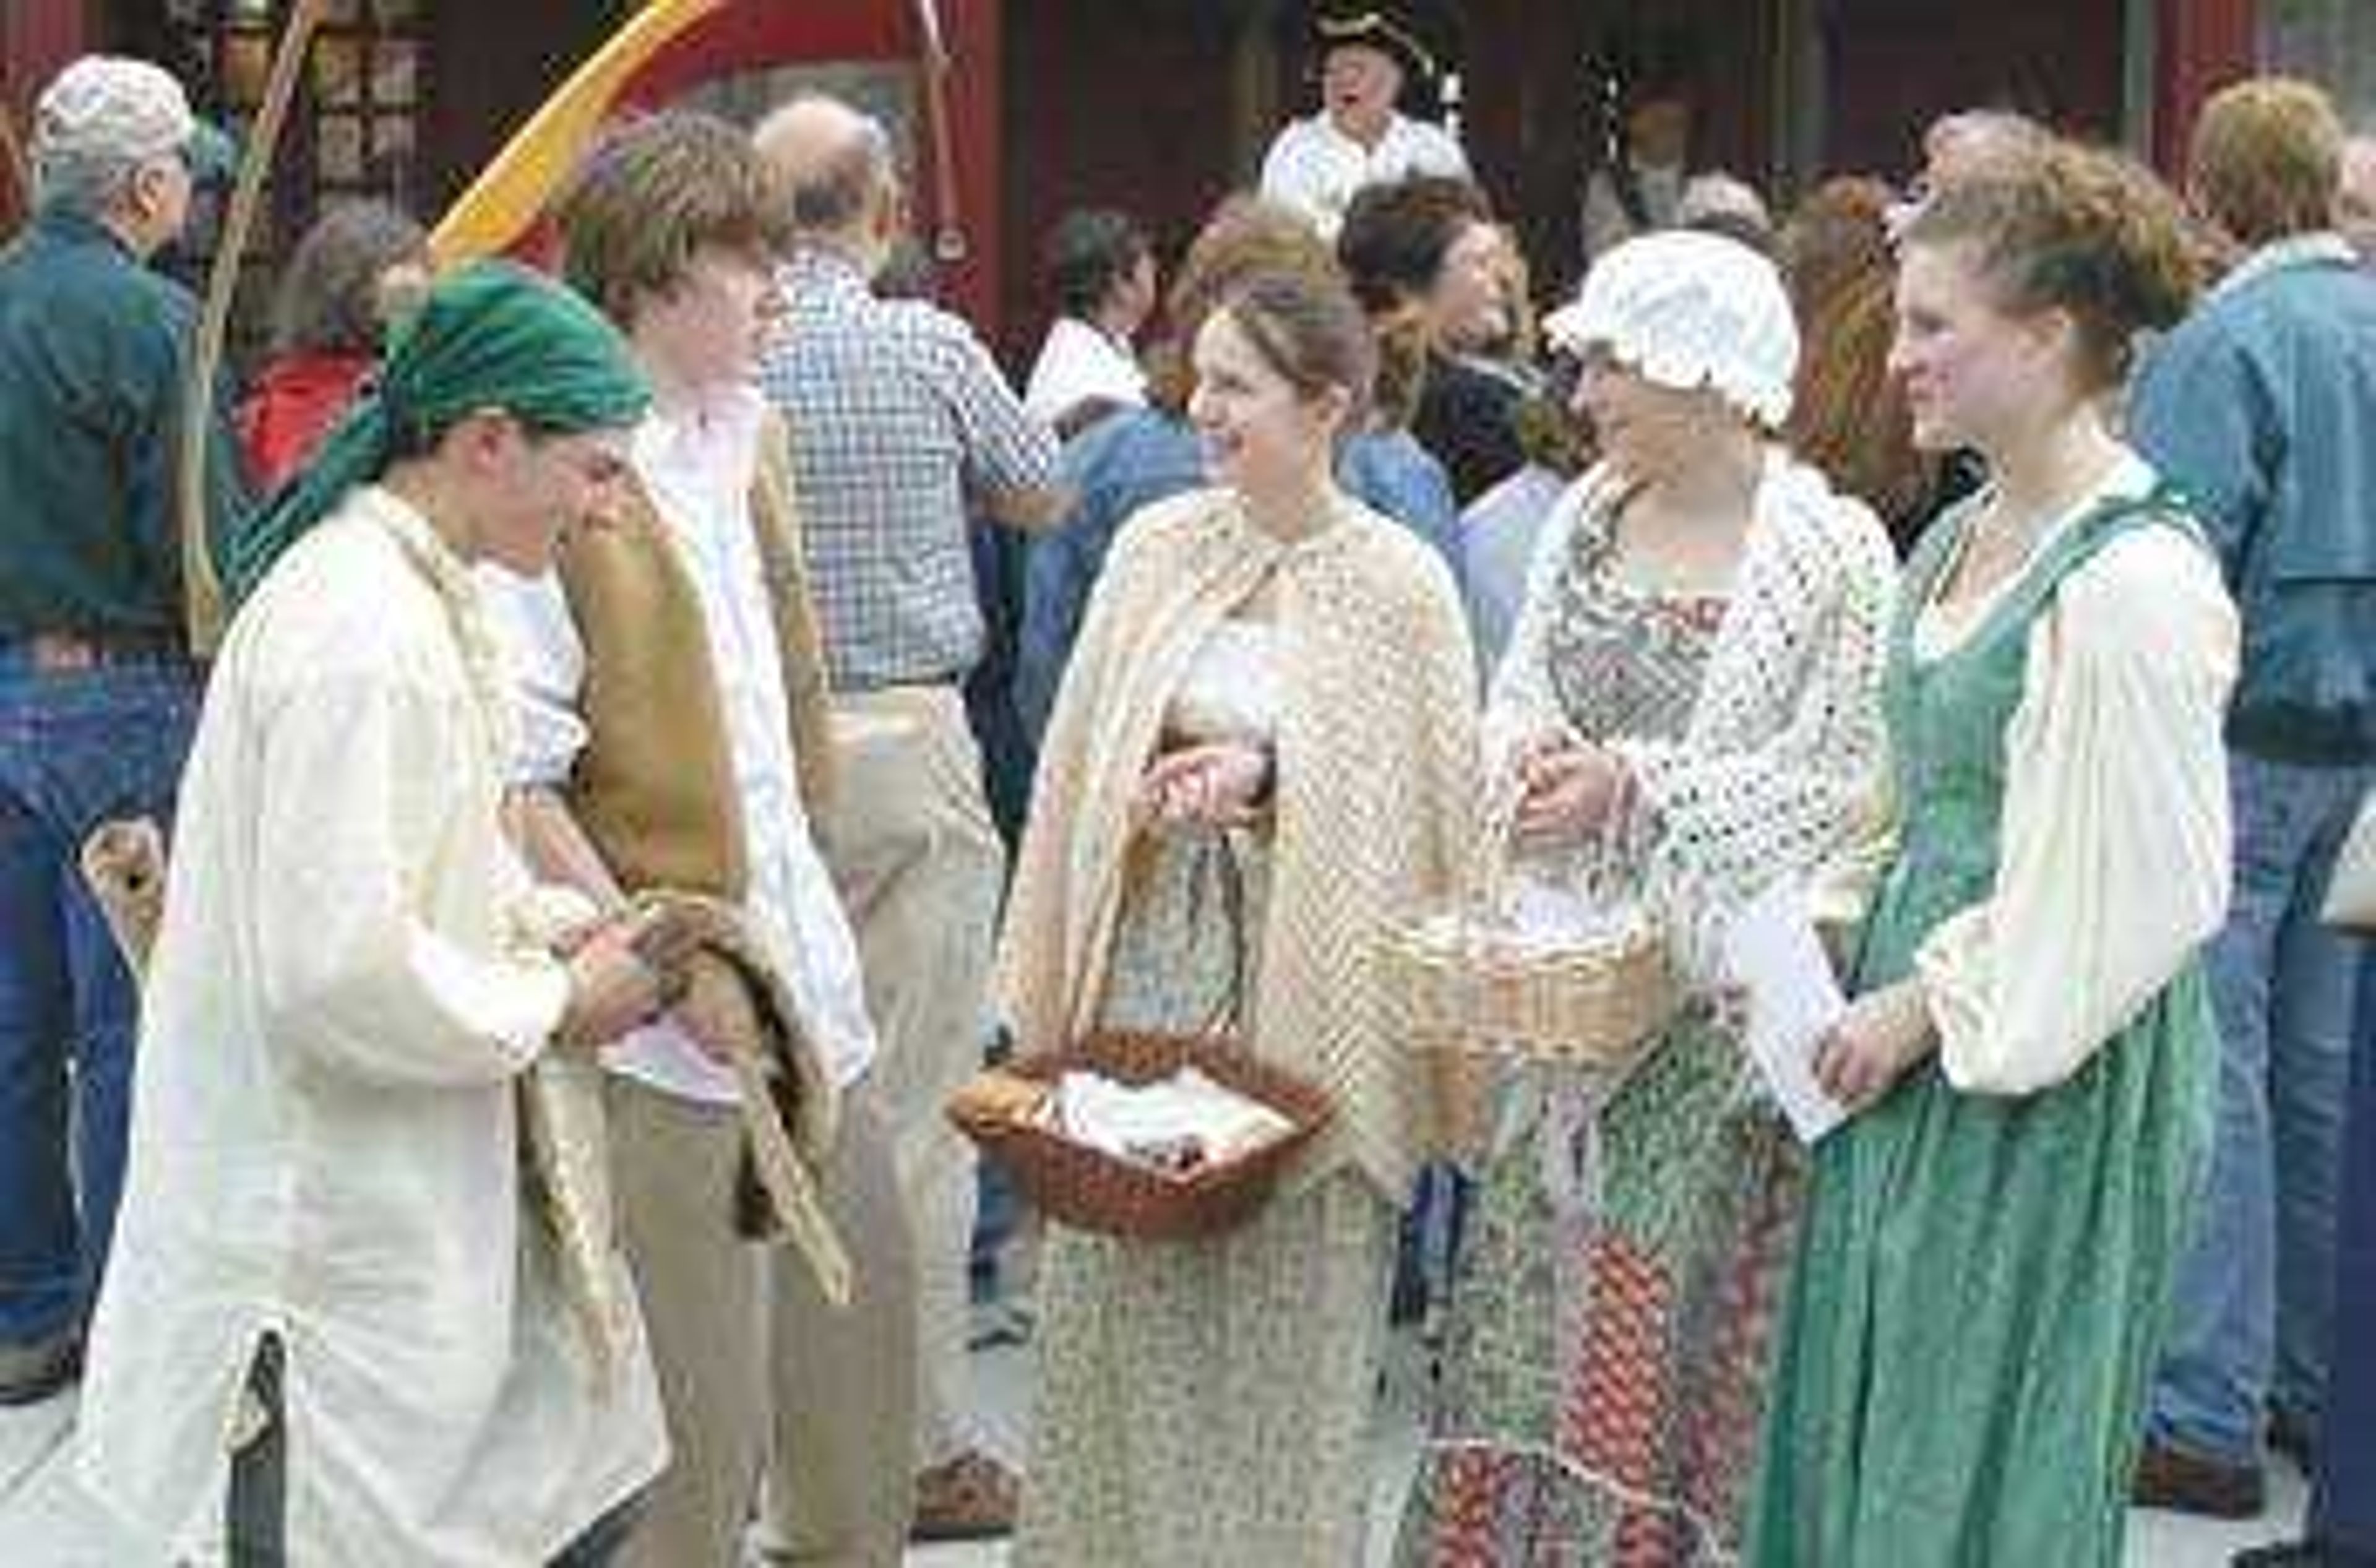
{"x": 673, "y": 693}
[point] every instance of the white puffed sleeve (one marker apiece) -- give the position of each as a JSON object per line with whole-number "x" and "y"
{"x": 2114, "y": 843}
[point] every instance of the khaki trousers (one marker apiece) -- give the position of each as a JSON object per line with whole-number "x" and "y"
{"x": 742, "y": 1340}
{"x": 911, "y": 846}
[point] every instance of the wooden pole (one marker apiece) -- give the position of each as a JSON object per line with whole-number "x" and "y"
{"x": 202, "y": 597}
{"x": 15, "y": 178}
{"x": 948, "y": 223}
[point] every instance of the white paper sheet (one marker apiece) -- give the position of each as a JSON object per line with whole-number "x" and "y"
{"x": 1771, "y": 951}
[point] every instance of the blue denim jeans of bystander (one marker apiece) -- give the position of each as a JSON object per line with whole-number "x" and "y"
{"x": 2253, "y": 1303}
{"x": 2343, "y": 1505}
{"x": 76, "y": 749}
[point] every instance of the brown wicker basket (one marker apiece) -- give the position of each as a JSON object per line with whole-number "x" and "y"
{"x": 1091, "y": 1190}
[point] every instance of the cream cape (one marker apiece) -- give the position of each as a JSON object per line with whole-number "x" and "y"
{"x": 1376, "y": 769}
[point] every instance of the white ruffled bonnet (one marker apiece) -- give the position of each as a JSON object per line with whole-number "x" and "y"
{"x": 1686, "y": 310}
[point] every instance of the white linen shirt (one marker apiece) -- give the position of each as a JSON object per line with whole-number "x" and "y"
{"x": 325, "y": 1145}
{"x": 1076, "y": 363}
{"x": 2113, "y": 868}
{"x": 1317, "y": 169}
{"x": 697, "y": 468}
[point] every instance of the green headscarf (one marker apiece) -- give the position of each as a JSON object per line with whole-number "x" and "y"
{"x": 492, "y": 335}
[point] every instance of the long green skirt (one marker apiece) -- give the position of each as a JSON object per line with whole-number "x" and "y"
{"x": 1977, "y": 1312}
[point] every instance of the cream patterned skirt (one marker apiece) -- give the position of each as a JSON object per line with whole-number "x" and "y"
{"x": 1205, "y": 1404}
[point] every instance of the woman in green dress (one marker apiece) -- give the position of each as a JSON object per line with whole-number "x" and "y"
{"x": 1988, "y": 1246}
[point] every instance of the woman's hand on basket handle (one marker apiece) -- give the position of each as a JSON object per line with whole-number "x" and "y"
{"x": 1568, "y": 790}
{"x": 1223, "y": 783}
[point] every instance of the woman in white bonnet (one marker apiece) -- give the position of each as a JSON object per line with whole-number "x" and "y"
{"x": 1690, "y": 710}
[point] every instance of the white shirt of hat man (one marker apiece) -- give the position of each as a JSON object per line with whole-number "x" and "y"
{"x": 1317, "y": 165}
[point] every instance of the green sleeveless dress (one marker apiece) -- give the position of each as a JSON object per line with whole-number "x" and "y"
{"x": 1982, "y": 1280}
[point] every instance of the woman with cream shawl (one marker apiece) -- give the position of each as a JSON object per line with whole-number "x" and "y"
{"x": 1271, "y": 689}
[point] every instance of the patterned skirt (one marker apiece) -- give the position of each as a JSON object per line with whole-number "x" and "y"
{"x": 1205, "y": 1404}
{"x": 1605, "y": 1374}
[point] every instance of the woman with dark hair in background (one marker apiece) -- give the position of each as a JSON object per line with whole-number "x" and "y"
{"x": 1102, "y": 271}
{"x": 360, "y": 264}
{"x": 1646, "y": 108}
{"x": 1427, "y": 245}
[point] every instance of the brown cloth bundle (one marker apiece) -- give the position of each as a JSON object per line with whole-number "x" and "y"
{"x": 735, "y": 998}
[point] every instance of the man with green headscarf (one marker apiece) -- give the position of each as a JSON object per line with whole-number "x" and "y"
{"x": 325, "y": 1202}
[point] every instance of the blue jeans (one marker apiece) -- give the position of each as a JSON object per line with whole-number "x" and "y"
{"x": 2342, "y": 1504}
{"x": 2254, "y": 1299}
{"x": 76, "y": 750}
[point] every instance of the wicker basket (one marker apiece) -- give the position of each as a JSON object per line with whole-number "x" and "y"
{"x": 1091, "y": 1190}
{"x": 1467, "y": 983}
{"x": 1466, "y": 978}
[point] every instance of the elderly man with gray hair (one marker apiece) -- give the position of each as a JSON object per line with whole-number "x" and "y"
{"x": 901, "y": 426}
{"x": 98, "y": 693}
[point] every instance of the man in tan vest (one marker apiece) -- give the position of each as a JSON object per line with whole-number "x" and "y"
{"x": 674, "y": 697}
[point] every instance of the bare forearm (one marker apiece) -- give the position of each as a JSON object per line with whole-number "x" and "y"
{"x": 557, "y": 848}
{"x": 1031, "y": 511}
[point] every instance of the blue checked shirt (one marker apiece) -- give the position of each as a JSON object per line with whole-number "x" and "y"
{"x": 898, "y": 416}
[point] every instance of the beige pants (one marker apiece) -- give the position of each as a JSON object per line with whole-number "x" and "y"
{"x": 912, "y": 847}
{"x": 741, "y": 1339}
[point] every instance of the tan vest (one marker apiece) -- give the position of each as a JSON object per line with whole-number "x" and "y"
{"x": 655, "y": 788}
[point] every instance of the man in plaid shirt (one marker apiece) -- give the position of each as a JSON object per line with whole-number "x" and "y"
{"x": 901, "y": 423}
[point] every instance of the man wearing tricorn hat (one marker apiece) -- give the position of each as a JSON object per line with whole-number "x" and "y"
{"x": 1368, "y": 53}
{"x": 1644, "y": 156}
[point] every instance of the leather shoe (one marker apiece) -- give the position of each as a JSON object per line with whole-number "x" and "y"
{"x": 31, "y": 1373}
{"x": 2188, "y": 1483}
{"x": 973, "y": 1497}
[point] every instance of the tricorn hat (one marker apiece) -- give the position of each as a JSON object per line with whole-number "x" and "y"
{"x": 1391, "y": 30}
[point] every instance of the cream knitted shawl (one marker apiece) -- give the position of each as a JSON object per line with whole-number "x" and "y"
{"x": 1376, "y": 768}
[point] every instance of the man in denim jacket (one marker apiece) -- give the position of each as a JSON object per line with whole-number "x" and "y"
{"x": 2262, "y": 406}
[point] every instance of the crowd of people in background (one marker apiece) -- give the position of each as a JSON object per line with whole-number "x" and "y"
{"x": 1992, "y": 556}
